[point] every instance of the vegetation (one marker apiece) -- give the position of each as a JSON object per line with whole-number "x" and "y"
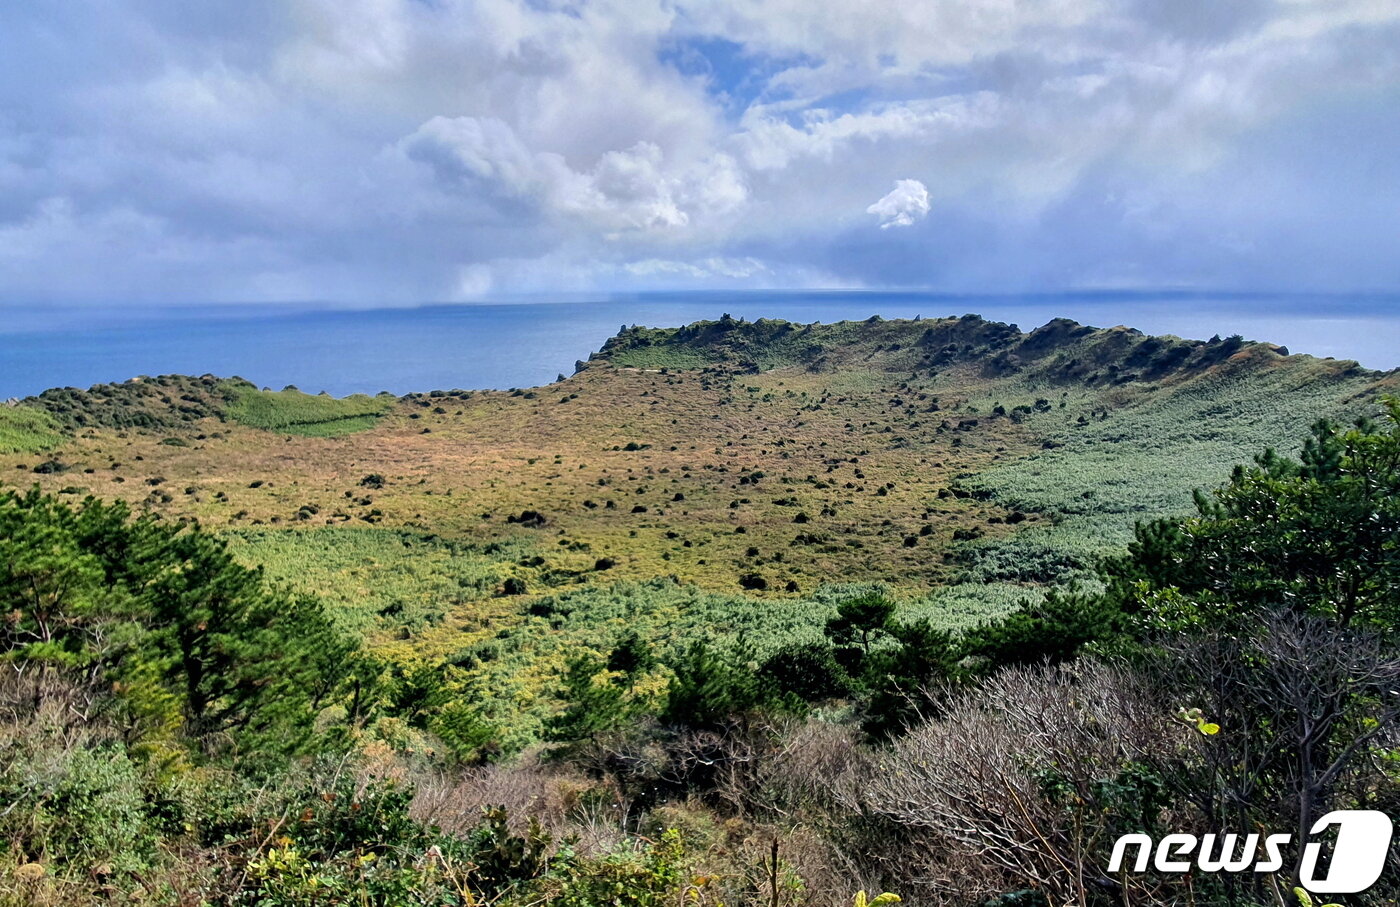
{"x": 293, "y": 412}
{"x": 380, "y": 583}
{"x": 179, "y": 403}
{"x": 585, "y": 644}
{"x": 24, "y": 429}
{"x": 194, "y": 644}
{"x": 166, "y": 402}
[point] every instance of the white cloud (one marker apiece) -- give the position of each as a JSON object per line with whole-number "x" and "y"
{"x": 905, "y": 204}
{"x": 892, "y": 34}
{"x": 397, "y": 150}
{"x": 633, "y": 189}
{"x": 739, "y": 268}
{"x": 773, "y": 142}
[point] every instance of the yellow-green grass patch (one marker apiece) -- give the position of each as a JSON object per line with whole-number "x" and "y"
{"x": 24, "y": 429}
{"x": 292, "y": 412}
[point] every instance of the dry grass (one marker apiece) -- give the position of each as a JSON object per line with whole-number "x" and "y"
{"x": 495, "y": 455}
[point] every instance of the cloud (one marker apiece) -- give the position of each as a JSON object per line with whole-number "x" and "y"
{"x": 627, "y": 190}
{"x": 774, "y": 142}
{"x": 903, "y": 206}
{"x": 710, "y": 267}
{"x": 396, "y": 151}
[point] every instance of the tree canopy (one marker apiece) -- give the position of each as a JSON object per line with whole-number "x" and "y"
{"x": 193, "y": 643}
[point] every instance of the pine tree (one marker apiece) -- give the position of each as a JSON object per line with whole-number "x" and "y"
{"x": 862, "y": 618}
{"x": 590, "y": 707}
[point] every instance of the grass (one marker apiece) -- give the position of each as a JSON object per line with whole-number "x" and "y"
{"x": 511, "y": 665}
{"x": 765, "y": 343}
{"x": 1141, "y": 456}
{"x": 382, "y": 583}
{"x": 663, "y": 357}
{"x": 292, "y": 412}
{"x": 24, "y": 429}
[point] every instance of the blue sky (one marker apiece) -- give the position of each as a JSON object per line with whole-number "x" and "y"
{"x": 402, "y": 151}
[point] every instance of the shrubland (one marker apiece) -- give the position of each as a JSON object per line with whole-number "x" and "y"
{"x": 921, "y": 607}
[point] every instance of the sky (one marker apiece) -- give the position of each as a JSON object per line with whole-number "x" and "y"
{"x": 391, "y": 152}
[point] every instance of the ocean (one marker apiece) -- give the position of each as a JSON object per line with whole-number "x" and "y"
{"x": 432, "y": 347}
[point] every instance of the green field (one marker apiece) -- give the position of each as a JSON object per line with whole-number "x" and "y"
{"x": 423, "y": 600}
{"x": 1142, "y": 457}
{"x": 380, "y": 581}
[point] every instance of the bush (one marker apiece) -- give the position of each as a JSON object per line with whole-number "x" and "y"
{"x": 807, "y": 670}
{"x": 903, "y": 678}
{"x": 1036, "y": 770}
{"x": 709, "y": 688}
{"x": 1055, "y": 629}
{"x": 82, "y": 810}
{"x": 531, "y": 518}
{"x": 590, "y": 706}
{"x": 625, "y": 879}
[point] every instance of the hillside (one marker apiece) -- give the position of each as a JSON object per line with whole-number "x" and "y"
{"x": 1060, "y": 352}
{"x": 723, "y": 478}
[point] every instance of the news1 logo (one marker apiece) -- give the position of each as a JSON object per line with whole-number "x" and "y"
{"x": 1358, "y": 856}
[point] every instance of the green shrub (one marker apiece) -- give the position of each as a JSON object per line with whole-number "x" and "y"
{"x": 1054, "y": 629}
{"x": 652, "y": 878}
{"x": 590, "y": 706}
{"x": 81, "y": 810}
{"x": 808, "y": 670}
{"x": 708, "y": 688}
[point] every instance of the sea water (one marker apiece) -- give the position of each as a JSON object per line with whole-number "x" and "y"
{"x": 527, "y": 343}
